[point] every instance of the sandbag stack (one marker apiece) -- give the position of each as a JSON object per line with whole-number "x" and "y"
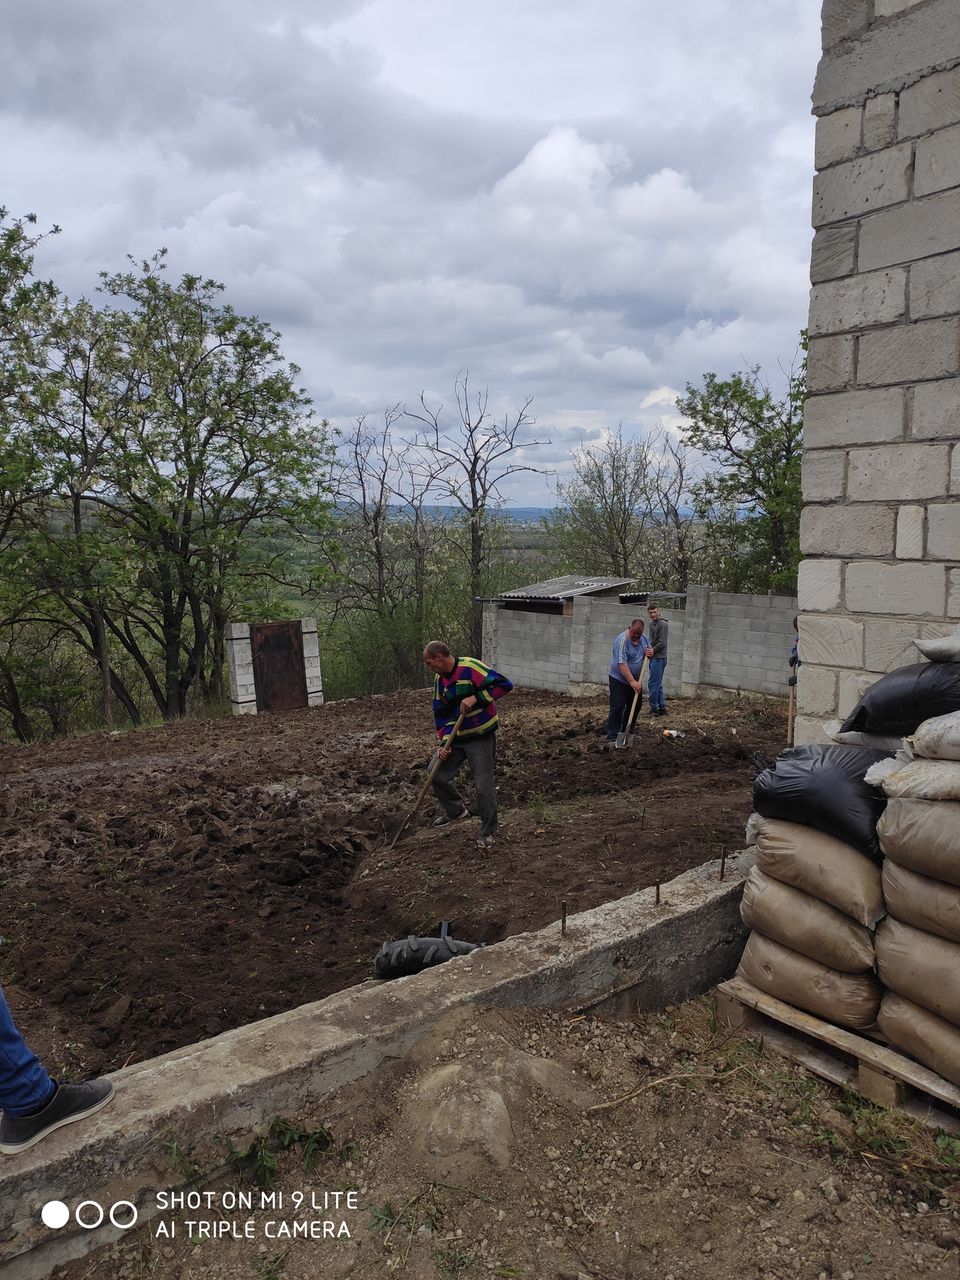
{"x": 918, "y": 943}
{"x": 814, "y": 897}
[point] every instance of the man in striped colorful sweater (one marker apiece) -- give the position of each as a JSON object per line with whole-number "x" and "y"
{"x": 466, "y": 684}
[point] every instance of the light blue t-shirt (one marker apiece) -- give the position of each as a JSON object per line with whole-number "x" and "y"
{"x": 624, "y": 650}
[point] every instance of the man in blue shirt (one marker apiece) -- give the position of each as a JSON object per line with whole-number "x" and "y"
{"x": 629, "y": 650}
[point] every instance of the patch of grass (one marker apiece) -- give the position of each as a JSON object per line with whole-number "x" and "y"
{"x": 182, "y": 1164}
{"x": 453, "y": 1260}
{"x": 259, "y": 1164}
{"x": 543, "y": 811}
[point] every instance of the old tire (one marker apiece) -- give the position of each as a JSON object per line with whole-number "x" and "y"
{"x": 411, "y": 955}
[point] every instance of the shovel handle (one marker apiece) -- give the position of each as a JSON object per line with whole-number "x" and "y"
{"x": 436, "y": 764}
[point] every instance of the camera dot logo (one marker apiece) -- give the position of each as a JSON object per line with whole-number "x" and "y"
{"x": 89, "y": 1214}
{"x": 55, "y": 1215}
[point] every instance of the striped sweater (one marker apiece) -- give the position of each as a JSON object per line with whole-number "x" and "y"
{"x": 468, "y": 677}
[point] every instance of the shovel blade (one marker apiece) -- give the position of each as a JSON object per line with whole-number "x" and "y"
{"x": 621, "y": 740}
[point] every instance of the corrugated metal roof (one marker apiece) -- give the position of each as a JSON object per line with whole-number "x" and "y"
{"x": 563, "y": 588}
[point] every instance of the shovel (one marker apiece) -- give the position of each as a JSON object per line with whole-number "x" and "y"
{"x": 626, "y": 735}
{"x": 426, "y": 786}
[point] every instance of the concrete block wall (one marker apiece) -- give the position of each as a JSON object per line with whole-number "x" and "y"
{"x": 531, "y": 649}
{"x": 880, "y": 533}
{"x": 716, "y": 641}
{"x": 747, "y": 642}
{"x": 602, "y": 621}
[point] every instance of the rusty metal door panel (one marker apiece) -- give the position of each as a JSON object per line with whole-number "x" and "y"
{"x": 278, "y": 670}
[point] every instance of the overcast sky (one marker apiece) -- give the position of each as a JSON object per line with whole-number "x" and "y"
{"x": 591, "y": 202}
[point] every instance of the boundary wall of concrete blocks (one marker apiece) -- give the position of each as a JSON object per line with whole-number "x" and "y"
{"x": 717, "y": 641}
{"x": 881, "y": 473}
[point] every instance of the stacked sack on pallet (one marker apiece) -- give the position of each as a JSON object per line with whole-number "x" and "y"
{"x": 918, "y": 944}
{"x": 814, "y": 896}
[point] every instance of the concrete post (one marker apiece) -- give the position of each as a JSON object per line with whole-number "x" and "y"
{"x": 579, "y": 634}
{"x": 311, "y": 662}
{"x": 243, "y": 692}
{"x": 694, "y": 640}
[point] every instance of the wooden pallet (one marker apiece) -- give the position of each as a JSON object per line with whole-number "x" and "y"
{"x": 879, "y": 1073}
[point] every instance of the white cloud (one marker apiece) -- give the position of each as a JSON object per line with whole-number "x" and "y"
{"x": 579, "y": 202}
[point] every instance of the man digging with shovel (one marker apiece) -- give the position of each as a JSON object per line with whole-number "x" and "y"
{"x": 467, "y": 688}
{"x": 629, "y": 651}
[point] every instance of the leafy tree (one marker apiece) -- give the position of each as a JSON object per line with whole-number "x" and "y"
{"x": 755, "y": 440}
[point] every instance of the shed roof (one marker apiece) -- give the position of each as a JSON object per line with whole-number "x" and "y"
{"x": 564, "y": 588}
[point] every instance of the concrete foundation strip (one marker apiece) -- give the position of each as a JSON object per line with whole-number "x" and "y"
{"x": 627, "y": 956}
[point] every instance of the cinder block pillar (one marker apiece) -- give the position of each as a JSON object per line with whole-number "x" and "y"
{"x": 579, "y": 636}
{"x": 243, "y": 692}
{"x": 694, "y": 640}
{"x": 311, "y": 662}
{"x": 491, "y": 615}
{"x": 880, "y": 532}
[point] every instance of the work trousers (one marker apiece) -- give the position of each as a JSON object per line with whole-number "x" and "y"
{"x": 655, "y": 684}
{"x": 24, "y": 1085}
{"x": 481, "y": 757}
{"x": 621, "y": 696}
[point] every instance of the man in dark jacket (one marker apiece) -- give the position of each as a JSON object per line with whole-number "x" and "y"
{"x": 657, "y": 653}
{"x": 466, "y": 684}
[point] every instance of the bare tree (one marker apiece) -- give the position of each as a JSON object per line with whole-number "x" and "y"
{"x": 386, "y": 536}
{"x": 478, "y": 453}
{"x": 605, "y": 508}
{"x": 677, "y": 529}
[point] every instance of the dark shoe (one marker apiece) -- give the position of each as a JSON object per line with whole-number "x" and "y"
{"x": 70, "y": 1102}
{"x": 662, "y": 711}
{"x": 653, "y": 712}
{"x": 445, "y": 818}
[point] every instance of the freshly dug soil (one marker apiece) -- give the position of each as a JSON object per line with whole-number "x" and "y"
{"x": 163, "y": 885}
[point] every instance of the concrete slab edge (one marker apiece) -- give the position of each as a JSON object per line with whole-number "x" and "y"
{"x": 629, "y": 953}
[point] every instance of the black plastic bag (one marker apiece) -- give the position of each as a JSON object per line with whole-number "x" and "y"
{"x": 901, "y": 701}
{"x": 823, "y": 787}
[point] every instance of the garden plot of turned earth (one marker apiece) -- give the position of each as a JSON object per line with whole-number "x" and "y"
{"x": 163, "y": 885}
{"x": 548, "y": 1147}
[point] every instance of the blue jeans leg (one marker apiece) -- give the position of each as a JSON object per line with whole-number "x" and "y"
{"x": 655, "y": 683}
{"x": 24, "y": 1085}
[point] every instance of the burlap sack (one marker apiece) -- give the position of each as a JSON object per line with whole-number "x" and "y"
{"x": 849, "y": 999}
{"x": 929, "y": 905}
{"x": 923, "y": 835}
{"x": 943, "y": 648}
{"x": 921, "y": 967}
{"x": 822, "y": 866}
{"x": 922, "y": 1035}
{"x": 806, "y": 924}
{"x": 939, "y": 737}
{"x": 924, "y": 780}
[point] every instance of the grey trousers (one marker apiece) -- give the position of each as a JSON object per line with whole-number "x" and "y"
{"x": 481, "y": 758}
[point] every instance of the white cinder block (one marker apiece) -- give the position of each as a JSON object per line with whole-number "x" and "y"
{"x": 902, "y": 471}
{"x": 936, "y": 410}
{"x": 943, "y": 531}
{"x": 858, "y": 186}
{"x": 831, "y": 642}
{"x": 910, "y": 533}
{"x": 818, "y": 587}
{"x": 865, "y": 530}
{"x": 909, "y": 352}
{"x": 853, "y": 417}
{"x": 907, "y": 590}
{"x": 875, "y": 297}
